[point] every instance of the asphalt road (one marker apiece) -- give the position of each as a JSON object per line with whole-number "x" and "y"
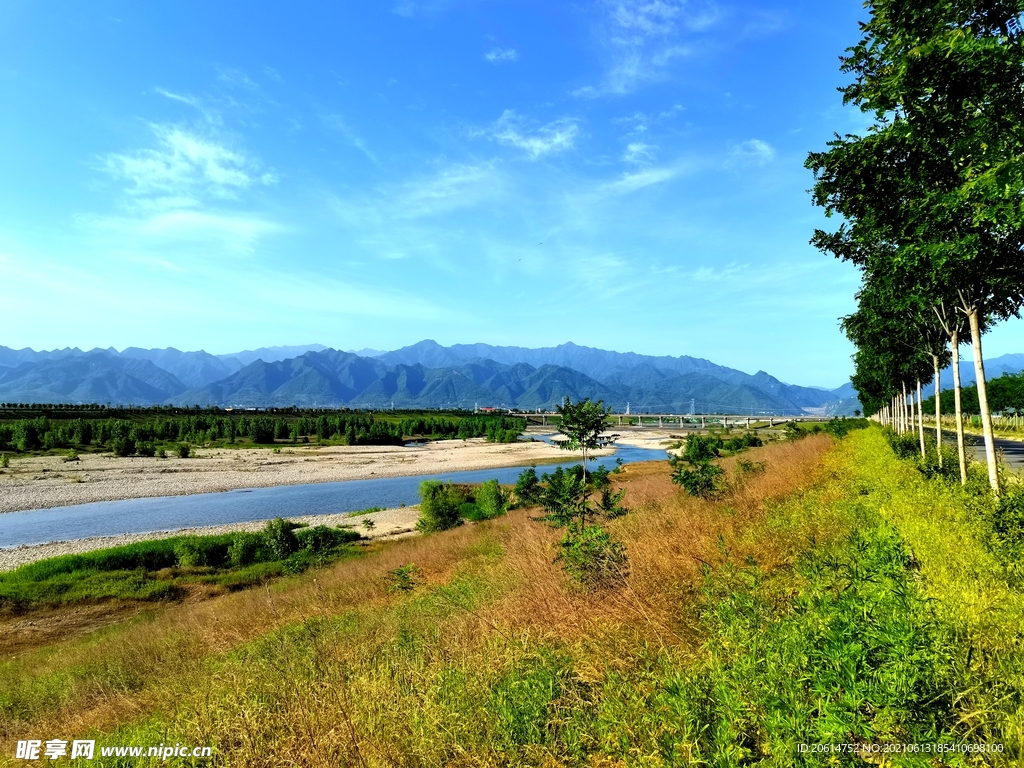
{"x": 1013, "y": 450}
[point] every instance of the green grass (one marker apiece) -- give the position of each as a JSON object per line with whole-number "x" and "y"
{"x": 155, "y": 570}
{"x": 883, "y": 613}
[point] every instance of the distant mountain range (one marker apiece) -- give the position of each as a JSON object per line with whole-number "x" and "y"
{"x": 424, "y": 375}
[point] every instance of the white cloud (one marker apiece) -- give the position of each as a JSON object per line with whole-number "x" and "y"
{"x": 638, "y": 152}
{"x": 237, "y": 78}
{"x": 753, "y": 152}
{"x": 337, "y": 123}
{"x": 556, "y": 136}
{"x": 459, "y": 186}
{"x": 185, "y": 164}
{"x": 643, "y": 37}
{"x": 212, "y": 231}
{"x": 630, "y": 182}
{"x": 499, "y": 55}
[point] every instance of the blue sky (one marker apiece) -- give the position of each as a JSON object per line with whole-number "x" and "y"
{"x": 626, "y": 174}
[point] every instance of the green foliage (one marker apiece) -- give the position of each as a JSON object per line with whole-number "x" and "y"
{"x": 248, "y": 548}
{"x": 491, "y": 499}
{"x": 123, "y": 431}
{"x": 856, "y": 657}
{"x": 134, "y": 570}
{"x": 184, "y": 450}
{"x": 701, "y": 449}
{"x": 4, "y": 461}
{"x": 280, "y": 537}
{"x": 592, "y": 558}
{"x": 319, "y": 540}
{"x": 742, "y": 442}
{"x": 528, "y": 490}
{"x": 367, "y": 511}
{"x": 403, "y": 579}
{"x": 440, "y": 505}
{"x": 209, "y": 551}
{"x": 582, "y": 424}
{"x": 702, "y": 480}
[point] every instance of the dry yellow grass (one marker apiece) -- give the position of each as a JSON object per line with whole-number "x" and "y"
{"x": 331, "y": 677}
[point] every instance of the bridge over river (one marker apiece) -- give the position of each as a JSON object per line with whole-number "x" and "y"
{"x": 676, "y": 421}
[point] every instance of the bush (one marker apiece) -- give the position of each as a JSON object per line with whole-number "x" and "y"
{"x": 280, "y": 537}
{"x": 122, "y": 446}
{"x": 527, "y": 490}
{"x": 4, "y": 461}
{"x": 702, "y": 480}
{"x": 700, "y": 449}
{"x": 321, "y": 539}
{"x": 248, "y": 548}
{"x": 591, "y": 557}
{"x": 470, "y": 511}
{"x": 210, "y": 551}
{"x": 492, "y": 499}
{"x": 145, "y": 449}
{"x": 440, "y": 505}
{"x": 184, "y": 450}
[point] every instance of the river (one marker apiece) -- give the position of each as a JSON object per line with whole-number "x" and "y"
{"x": 163, "y": 513}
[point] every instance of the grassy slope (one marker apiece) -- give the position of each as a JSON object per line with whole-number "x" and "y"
{"x": 836, "y": 594}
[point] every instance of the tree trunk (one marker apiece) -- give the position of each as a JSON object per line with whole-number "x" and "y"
{"x": 938, "y": 409}
{"x": 920, "y": 421}
{"x": 962, "y": 453}
{"x": 986, "y": 415}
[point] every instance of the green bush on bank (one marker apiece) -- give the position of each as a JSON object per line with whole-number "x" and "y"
{"x": 134, "y": 571}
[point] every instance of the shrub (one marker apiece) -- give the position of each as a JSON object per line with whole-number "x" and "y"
{"x": 700, "y": 449}
{"x": 527, "y": 490}
{"x": 280, "y": 537}
{"x": 122, "y": 446}
{"x": 702, "y": 480}
{"x": 472, "y": 512}
{"x": 4, "y": 461}
{"x": 440, "y": 505}
{"x": 184, "y": 450}
{"x": 72, "y": 455}
{"x": 403, "y": 579}
{"x": 321, "y": 539}
{"x": 247, "y": 549}
{"x": 145, "y": 449}
{"x": 591, "y": 557}
{"x": 202, "y": 551}
{"x": 492, "y": 499}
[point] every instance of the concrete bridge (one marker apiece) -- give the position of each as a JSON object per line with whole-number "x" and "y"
{"x": 675, "y": 421}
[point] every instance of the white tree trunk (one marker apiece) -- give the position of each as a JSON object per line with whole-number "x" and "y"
{"x": 986, "y": 415}
{"x": 920, "y": 421}
{"x": 962, "y": 453}
{"x": 938, "y": 409}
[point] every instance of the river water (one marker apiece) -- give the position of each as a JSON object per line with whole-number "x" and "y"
{"x": 112, "y": 518}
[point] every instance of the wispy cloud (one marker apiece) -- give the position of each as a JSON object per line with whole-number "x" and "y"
{"x": 338, "y": 124}
{"x": 501, "y": 55}
{"x": 185, "y": 163}
{"x": 631, "y": 182}
{"x": 237, "y": 79}
{"x": 638, "y": 152}
{"x": 643, "y": 37}
{"x": 216, "y": 231}
{"x": 455, "y": 187}
{"x": 753, "y": 152}
{"x": 512, "y": 130}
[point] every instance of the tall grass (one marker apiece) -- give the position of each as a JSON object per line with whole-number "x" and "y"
{"x": 812, "y": 601}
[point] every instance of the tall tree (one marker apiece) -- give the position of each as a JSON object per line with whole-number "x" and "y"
{"x": 938, "y": 182}
{"x": 582, "y": 424}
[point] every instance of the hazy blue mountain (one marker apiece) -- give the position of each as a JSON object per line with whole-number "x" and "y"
{"x": 271, "y": 354}
{"x": 91, "y": 377}
{"x": 425, "y": 375}
{"x": 615, "y": 369}
{"x": 193, "y": 369}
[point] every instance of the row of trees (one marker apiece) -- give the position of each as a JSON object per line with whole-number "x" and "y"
{"x": 1005, "y": 395}
{"x": 124, "y": 435}
{"x": 931, "y": 196}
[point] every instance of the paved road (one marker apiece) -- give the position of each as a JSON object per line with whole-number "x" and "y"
{"x": 1013, "y": 450}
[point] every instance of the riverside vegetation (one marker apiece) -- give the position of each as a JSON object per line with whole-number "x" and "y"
{"x": 840, "y": 594}
{"x": 147, "y": 431}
